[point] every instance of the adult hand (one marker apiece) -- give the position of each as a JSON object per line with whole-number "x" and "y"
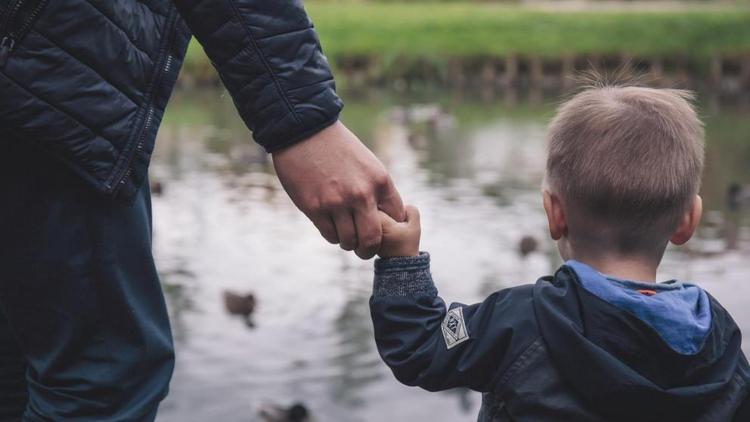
{"x": 340, "y": 185}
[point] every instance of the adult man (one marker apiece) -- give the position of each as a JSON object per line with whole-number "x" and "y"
{"x": 84, "y": 334}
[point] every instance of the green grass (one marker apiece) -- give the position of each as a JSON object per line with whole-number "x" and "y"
{"x": 480, "y": 29}
{"x": 438, "y": 30}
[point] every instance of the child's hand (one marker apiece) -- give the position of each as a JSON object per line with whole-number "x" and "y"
{"x": 400, "y": 239}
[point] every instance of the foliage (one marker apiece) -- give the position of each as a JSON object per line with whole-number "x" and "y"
{"x": 438, "y": 31}
{"x": 481, "y": 29}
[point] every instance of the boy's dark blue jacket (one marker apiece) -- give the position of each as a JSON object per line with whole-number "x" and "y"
{"x": 87, "y": 81}
{"x": 555, "y": 351}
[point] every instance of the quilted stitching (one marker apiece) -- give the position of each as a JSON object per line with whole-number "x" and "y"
{"x": 92, "y": 79}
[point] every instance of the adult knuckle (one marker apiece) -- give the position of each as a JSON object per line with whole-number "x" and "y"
{"x": 311, "y": 206}
{"x": 327, "y": 232}
{"x": 370, "y": 236}
{"x": 359, "y": 194}
{"x": 370, "y": 242}
{"x": 381, "y": 179}
{"x": 331, "y": 203}
{"x": 347, "y": 245}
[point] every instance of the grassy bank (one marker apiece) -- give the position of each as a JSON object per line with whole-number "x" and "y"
{"x": 437, "y": 31}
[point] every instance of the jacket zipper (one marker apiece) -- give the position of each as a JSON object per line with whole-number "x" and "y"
{"x": 10, "y": 37}
{"x": 117, "y": 182}
{"x": 146, "y": 126}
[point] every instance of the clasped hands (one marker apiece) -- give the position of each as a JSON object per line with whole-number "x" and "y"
{"x": 348, "y": 194}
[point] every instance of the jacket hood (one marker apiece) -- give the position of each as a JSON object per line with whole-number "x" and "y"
{"x": 671, "y": 351}
{"x": 679, "y": 312}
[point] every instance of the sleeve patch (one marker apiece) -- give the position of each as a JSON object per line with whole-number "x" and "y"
{"x": 454, "y": 328}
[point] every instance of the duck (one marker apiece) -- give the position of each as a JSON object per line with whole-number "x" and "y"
{"x": 737, "y": 196}
{"x": 240, "y": 304}
{"x": 527, "y": 245}
{"x": 157, "y": 188}
{"x": 297, "y": 412}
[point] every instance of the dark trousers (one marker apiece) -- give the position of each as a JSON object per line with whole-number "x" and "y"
{"x": 84, "y": 333}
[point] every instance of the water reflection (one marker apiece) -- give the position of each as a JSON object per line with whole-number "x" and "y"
{"x": 474, "y": 166}
{"x": 356, "y": 361}
{"x": 297, "y": 412}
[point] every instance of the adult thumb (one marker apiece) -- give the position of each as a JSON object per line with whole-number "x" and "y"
{"x": 389, "y": 201}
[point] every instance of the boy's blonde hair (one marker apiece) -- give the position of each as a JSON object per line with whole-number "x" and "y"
{"x": 628, "y": 160}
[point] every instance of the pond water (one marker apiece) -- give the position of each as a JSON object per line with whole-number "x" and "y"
{"x": 474, "y": 168}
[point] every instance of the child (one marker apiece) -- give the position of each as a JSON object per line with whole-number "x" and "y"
{"x": 599, "y": 340}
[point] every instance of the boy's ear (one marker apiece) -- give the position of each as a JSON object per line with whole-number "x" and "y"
{"x": 558, "y": 225}
{"x": 689, "y": 222}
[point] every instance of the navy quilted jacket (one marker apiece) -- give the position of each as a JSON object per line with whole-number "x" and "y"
{"x": 88, "y": 80}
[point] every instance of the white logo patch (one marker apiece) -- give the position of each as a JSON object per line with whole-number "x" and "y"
{"x": 454, "y": 328}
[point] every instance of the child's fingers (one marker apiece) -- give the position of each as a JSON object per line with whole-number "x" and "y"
{"x": 386, "y": 220}
{"x": 391, "y": 225}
